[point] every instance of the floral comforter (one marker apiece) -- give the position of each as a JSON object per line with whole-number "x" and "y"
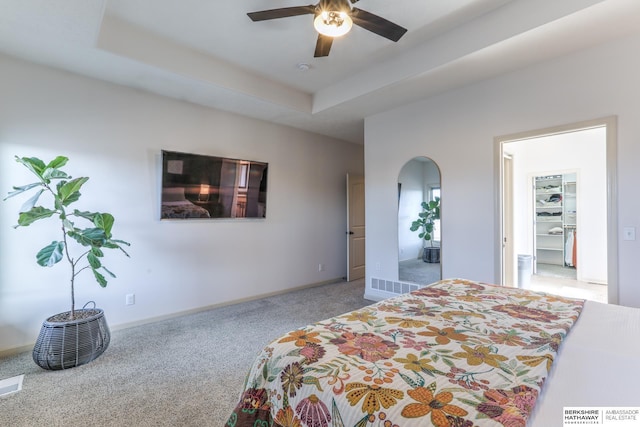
{"x": 457, "y": 353}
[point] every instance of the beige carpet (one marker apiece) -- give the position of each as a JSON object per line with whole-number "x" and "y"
{"x": 418, "y": 271}
{"x": 186, "y": 371}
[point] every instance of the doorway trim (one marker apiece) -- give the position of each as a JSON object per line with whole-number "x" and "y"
{"x": 611, "y": 125}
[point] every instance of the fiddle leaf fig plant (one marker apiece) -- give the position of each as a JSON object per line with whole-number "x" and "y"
{"x": 426, "y": 220}
{"x": 89, "y": 241}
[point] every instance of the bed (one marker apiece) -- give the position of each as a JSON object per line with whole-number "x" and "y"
{"x": 457, "y": 353}
{"x": 175, "y": 205}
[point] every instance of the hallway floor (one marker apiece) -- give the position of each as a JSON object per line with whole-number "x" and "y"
{"x": 562, "y": 281}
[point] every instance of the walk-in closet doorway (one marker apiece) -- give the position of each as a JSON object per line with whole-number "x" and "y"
{"x": 557, "y": 210}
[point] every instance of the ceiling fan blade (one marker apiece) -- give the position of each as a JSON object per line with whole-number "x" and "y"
{"x": 377, "y": 25}
{"x": 323, "y": 46}
{"x": 283, "y": 12}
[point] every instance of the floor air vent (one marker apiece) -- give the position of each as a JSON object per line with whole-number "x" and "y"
{"x": 393, "y": 287}
{"x": 11, "y": 385}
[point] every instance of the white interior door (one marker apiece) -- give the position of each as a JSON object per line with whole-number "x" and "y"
{"x": 355, "y": 228}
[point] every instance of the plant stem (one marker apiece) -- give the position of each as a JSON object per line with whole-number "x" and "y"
{"x": 73, "y": 275}
{"x": 63, "y": 216}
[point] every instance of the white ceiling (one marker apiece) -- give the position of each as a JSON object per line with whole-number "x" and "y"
{"x": 210, "y": 53}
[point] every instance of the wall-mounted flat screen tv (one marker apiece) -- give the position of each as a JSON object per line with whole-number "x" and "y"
{"x": 198, "y": 186}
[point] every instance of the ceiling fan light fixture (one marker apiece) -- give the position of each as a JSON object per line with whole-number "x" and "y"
{"x": 333, "y": 23}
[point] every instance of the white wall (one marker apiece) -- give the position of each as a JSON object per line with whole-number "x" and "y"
{"x": 114, "y": 135}
{"x": 581, "y": 152}
{"x": 457, "y": 130}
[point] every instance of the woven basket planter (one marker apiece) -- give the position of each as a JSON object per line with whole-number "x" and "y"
{"x": 431, "y": 254}
{"x": 63, "y": 345}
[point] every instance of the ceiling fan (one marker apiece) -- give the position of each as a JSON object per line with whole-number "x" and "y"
{"x": 334, "y": 18}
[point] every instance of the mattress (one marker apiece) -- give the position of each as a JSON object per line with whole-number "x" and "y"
{"x": 597, "y": 365}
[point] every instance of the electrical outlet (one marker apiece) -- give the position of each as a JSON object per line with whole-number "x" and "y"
{"x": 130, "y": 299}
{"x": 629, "y": 233}
{"x": 320, "y": 267}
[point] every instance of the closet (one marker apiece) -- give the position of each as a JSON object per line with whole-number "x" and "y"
{"x": 555, "y": 236}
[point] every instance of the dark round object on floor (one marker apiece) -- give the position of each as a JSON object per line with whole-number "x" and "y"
{"x": 67, "y": 344}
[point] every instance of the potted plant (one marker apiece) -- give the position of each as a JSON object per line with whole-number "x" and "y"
{"x": 74, "y": 337}
{"x": 425, "y": 224}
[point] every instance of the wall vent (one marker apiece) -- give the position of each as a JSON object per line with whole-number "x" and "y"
{"x": 11, "y": 385}
{"x": 393, "y": 286}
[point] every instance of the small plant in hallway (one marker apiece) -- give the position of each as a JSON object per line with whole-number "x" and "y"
{"x": 81, "y": 247}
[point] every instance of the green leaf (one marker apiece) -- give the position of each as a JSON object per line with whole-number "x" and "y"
{"x": 52, "y": 170}
{"x": 58, "y": 205}
{"x": 111, "y": 244}
{"x": 108, "y": 272}
{"x": 74, "y": 197}
{"x": 58, "y": 162}
{"x": 413, "y": 383}
{"x": 68, "y": 192}
{"x": 89, "y": 237}
{"x": 335, "y": 414}
{"x": 97, "y": 252}
{"x": 312, "y": 381}
{"x": 34, "y": 164}
{"x": 20, "y": 190}
{"x": 93, "y": 260}
{"x": 29, "y": 204}
{"x": 429, "y": 372}
{"x": 51, "y": 254}
{"x": 27, "y": 218}
{"x": 85, "y": 214}
{"x": 68, "y": 225}
{"x": 363, "y": 422}
{"x": 104, "y": 221}
{"x": 99, "y": 278}
{"x": 90, "y": 216}
{"x": 50, "y": 174}
{"x": 469, "y": 402}
{"x": 504, "y": 368}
